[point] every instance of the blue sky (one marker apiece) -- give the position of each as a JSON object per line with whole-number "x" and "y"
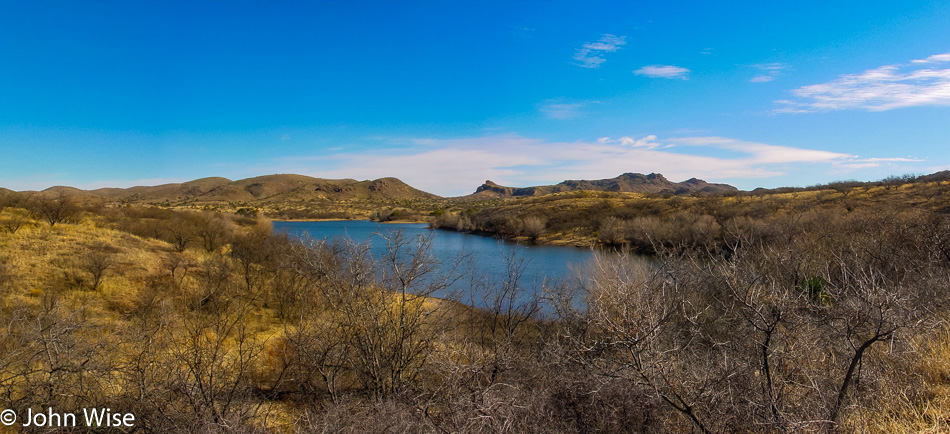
{"x": 445, "y": 95}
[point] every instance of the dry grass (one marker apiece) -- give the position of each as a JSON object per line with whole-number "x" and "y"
{"x": 198, "y": 317}
{"x": 43, "y": 259}
{"x": 573, "y": 218}
{"x": 924, "y": 406}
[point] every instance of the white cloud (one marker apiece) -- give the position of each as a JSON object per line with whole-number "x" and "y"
{"x": 936, "y": 58}
{"x": 648, "y": 142}
{"x": 762, "y": 153}
{"x": 867, "y": 163}
{"x": 774, "y": 66}
{"x": 607, "y": 43}
{"x": 663, "y": 71}
{"x": 590, "y": 55}
{"x": 884, "y": 88}
{"x": 588, "y": 60}
{"x": 452, "y": 167}
{"x": 557, "y": 109}
{"x": 768, "y": 72}
{"x": 893, "y": 160}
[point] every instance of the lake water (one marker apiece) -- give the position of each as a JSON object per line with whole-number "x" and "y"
{"x": 485, "y": 260}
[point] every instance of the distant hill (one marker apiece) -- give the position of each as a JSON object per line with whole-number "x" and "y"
{"x": 627, "y": 182}
{"x": 287, "y": 189}
{"x": 943, "y": 175}
{"x": 264, "y": 189}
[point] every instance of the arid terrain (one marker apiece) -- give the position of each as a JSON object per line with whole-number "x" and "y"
{"x": 798, "y": 309}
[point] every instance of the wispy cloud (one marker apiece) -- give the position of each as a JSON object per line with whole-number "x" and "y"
{"x": 936, "y": 58}
{"x": 591, "y": 54}
{"x": 560, "y": 109}
{"x": 663, "y": 71}
{"x": 867, "y": 163}
{"x": 648, "y": 142}
{"x": 922, "y": 82}
{"x": 762, "y": 153}
{"x": 768, "y": 72}
{"x": 452, "y": 167}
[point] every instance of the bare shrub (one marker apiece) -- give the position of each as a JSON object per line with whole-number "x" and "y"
{"x": 212, "y": 229}
{"x": 98, "y": 261}
{"x": 613, "y": 231}
{"x": 533, "y": 226}
{"x": 12, "y": 219}
{"x": 382, "y": 315}
{"x": 59, "y": 208}
{"x": 180, "y": 230}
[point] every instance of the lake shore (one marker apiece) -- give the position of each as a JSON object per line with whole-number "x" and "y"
{"x": 351, "y": 220}
{"x": 556, "y": 240}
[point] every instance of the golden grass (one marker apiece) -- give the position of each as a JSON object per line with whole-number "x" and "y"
{"x": 923, "y": 408}
{"x": 43, "y": 263}
{"x": 41, "y": 259}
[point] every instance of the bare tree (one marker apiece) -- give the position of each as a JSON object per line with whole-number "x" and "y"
{"x": 15, "y": 219}
{"x": 612, "y": 231}
{"x": 180, "y": 231}
{"x": 60, "y": 208}
{"x": 533, "y": 226}
{"x": 98, "y": 261}
{"x": 212, "y": 229}
{"x": 380, "y": 310}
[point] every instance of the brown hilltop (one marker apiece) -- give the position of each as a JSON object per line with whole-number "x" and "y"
{"x": 627, "y": 182}
{"x": 266, "y": 189}
{"x": 173, "y": 191}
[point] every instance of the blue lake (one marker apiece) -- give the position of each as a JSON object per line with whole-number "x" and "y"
{"x": 485, "y": 260}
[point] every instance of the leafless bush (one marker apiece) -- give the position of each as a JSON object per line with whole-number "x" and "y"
{"x": 14, "y": 218}
{"x": 381, "y": 315}
{"x": 533, "y": 226}
{"x": 59, "y": 208}
{"x": 98, "y": 261}
{"x": 212, "y": 229}
{"x": 791, "y": 335}
{"x": 613, "y": 231}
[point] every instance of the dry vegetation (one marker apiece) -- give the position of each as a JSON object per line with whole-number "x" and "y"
{"x": 821, "y": 310}
{"x": 638, "y": 222}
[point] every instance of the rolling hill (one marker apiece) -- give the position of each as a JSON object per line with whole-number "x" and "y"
{"x": 266, "y": 189}
{"x": 627, "y": 182}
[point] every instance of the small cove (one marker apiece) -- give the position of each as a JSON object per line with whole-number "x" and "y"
{"x": 485, "y": 260}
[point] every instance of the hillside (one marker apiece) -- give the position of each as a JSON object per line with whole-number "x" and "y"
{"x": 163, "y": 302}
{"x": 585, "y": 218}
{"x": 161, "y": 319}
{"x": 627, "y": 182}
{"x": 267, "y": 189}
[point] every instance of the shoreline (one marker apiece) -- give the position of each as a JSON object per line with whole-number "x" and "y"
{"x": 553, "y": 242}
{"x": 350, "y": 220}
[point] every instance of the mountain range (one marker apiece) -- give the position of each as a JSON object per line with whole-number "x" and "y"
{"x": 627, "y": 182}
{"x": 261, "y": 189}
{"x": 285, "y": 188}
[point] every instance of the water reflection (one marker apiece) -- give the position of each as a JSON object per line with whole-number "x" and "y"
{"x": 483, "y": 268}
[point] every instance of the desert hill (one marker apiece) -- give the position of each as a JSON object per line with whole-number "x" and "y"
{"x": 266, "y": 189}
{"x": 627, "y": 182}
{"x": 299, "y": 191}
